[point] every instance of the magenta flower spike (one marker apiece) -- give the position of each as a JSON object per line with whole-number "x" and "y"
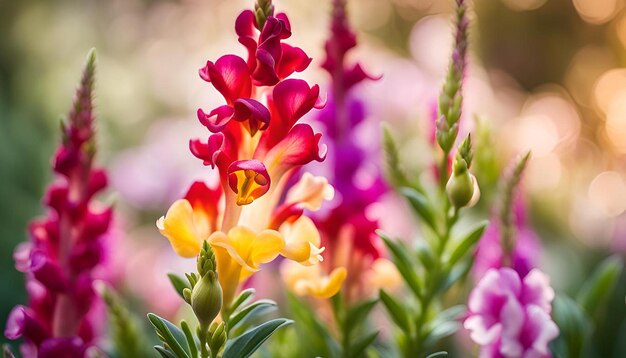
{"x": 66, "y": 246}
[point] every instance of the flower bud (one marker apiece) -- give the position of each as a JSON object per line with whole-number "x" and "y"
{"x": 217, "y": 336}
{"x": 462, "y": 186}
{"x": 206, "y": 298}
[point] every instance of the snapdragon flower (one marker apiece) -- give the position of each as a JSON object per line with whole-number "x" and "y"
{"x": 355, "y": 251}
{"x": 256, "y": 144}
{"x": 509, "y": 316}
{"x": 67, "y": 246}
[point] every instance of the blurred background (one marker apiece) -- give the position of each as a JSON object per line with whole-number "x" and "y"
{"x": 545, "y": 75}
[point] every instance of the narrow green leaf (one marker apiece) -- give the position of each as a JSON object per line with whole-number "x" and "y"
{"x": 357, "y": 349}
{"x": 179, "y": 283}
{"x": 600, "y": 284}
{"x": 246, "y": 344}
{"x": 254, "y": 306}
{"x": 420, "y": 205}
{"x": 396, "y": 311}
{"x": 441, "y": 331}
{"x": 164, "y": 352}
{"x": 241, "y": 299}
{"x": 437, "y": 354}
{"x": 357, "y": 315}
{"x": 466, "y": 243}
{"x": 171, "y": 335}
{"x": 191, "y": 342}
{"x": 425, "y": 255}
{"x": 574, "y": 325}
{"x": 403, "y": 262}
{"x": 319, "y": 338}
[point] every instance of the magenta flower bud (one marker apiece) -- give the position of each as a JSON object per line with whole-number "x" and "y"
{"x": 21, "y": 256}
{"x": 22, "y": 323}
{"x": 56, "y": 197}
{"x": 98, "y": 180}
{"x": 96, "y": 223}
{"x": 47, "y": 271}
{"x": 85, "y": 255}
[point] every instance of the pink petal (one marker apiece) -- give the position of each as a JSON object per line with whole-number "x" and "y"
{"x": 293, "y": 60}
{"x": 257, "y": 115}
{"x": 230, "y": 76}
{"x": 217, "y": 119}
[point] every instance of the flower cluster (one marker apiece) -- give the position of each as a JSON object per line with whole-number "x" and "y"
{"x": 509, "y": 316}
{"x": 66, "y": 246}
{"x": 256, "y": 144}
{"x": 346, "y": 230}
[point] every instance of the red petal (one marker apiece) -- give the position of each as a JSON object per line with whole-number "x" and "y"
{"x": 205, "y": 199}
{"x": 356, "y": 75}
{"x": 299, "y": 147}
{"x": 294, "y": 59}
{"x": 230, "y": 76}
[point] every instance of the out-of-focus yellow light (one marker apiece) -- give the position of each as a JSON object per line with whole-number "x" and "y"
{"x": 430, "y": 43}
{"x": 608, "y": 86}
{"x": 544, "y": 173}
{"x": 524, "y": 5}
{"x": 607, "y": 192}
{"x": 620, "y": 28}
{"x": 615, "y": 125}
{"x": 596, "y": 11}
{"x": 538, "y": 134}
{"x": 371, "y": 14}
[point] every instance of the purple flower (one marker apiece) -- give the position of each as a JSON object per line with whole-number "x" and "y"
{"x": 509, "y": 316}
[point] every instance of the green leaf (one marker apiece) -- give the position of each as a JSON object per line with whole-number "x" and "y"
{"x": 243, "y": 313}
{"x": 441, "y": 331}
{"x": 437, "y": 354}
{"x": 179, "y": 283}
{"x": 357, "y": 315}
{"x": 425, "y": 255}
{"x": 457, "y": 273}
{"x": 164, "y": 352}
{"x": 246, "y": 344}
{"x": 7, "y": 352}
{"x": 191, "y": 342}
{"x": 396, "y": 311}
{"x": 466, "y": 243}
{"x": 171, "y": 335}
{"x": 420, "y": 205}
{"x": 402, "y": 262}
{"x": 241, "y": 299}
{"x": 574, "y": 325}
{"x": 319, "y": 338}
{"x": 357, "y": 349}
{"x": 599, "y": 285}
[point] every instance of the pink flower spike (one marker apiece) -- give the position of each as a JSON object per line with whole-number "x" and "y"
{"x": 47, "y": 272}
{"x": 230, "y": 76}
{"x": 249, "y": 180}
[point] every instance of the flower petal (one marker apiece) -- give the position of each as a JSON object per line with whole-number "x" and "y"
{"x": 230, "y": 76}
{"x": 217, "y": 119}
{"x": 252, "y": 111}
{"x": 293, "y": 59}
{"x": 310, "y": 191}
{"x": 248, "y": 179}
{"x": 302, "y": 241}
{"x": 248, "y": 248}
{"x": 299, "y": 147}
{"x": 179, "y": 228}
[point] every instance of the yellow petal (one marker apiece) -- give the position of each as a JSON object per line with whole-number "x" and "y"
{"x": 384, "y": 274}
{"x": 302, "y": 240}
{"x": 228, "y": 273}
{"x": 310, "y": 281}
{"x": 178, "y": 227}
{"x": 247, "y": 248}
{"x": 311, "y": 191}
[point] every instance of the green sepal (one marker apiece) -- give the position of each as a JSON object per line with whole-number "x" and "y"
{"x": 246, "y": 344}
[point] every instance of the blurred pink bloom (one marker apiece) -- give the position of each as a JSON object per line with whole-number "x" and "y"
{"x": 509, "y": 316}
{"x": 525, "y": 254}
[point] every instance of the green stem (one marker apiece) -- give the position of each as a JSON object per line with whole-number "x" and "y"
{"x": 202, "y": 336}
{"x": 339, "y": 312}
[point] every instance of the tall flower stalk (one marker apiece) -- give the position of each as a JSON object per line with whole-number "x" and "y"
{"x": 353, "y": 249}
{"x": 66, "y": 246}
{"x": 430, "y": 267}
{"x": 256, "y": 144}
